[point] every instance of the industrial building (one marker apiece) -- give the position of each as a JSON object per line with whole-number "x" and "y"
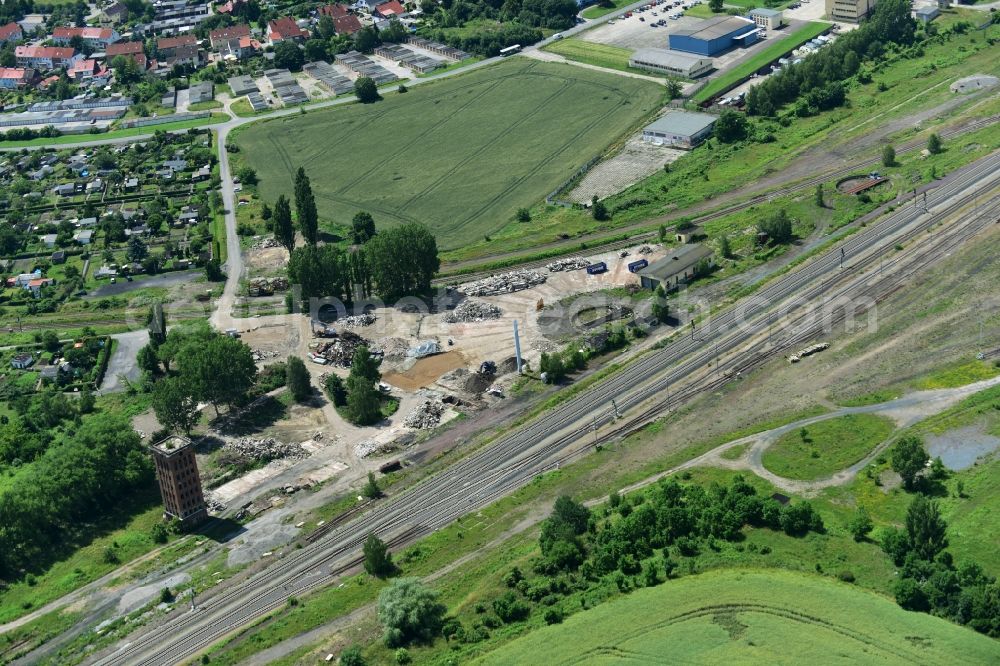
{"x": 849, "y": 11}
{"x": 673, "y": 63}
{"x": 674, "y": 269}
{"x": 680, "y": 129}
{"x": 715, "y": 35}
{"x": 180, "y": 484}
{"x": 769, "y": 19}
{"x": 927, "y": 14}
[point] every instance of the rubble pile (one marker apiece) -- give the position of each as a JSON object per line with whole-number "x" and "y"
{"x": 261, "y": 355}
{"x": 263, "y": 449}
{"x": 264, "y": 243}
{"x": 427, "y": 415}
{"x": 390, "y": 347}
{"x": 366, "y": 319}
{"x": 340, "y": 350}
{"x": 469, "y": 311}
{"x": 265, "y": 286}
{"x": 568, "y": 264}
{"x": 369, "y": 447}
{"x": 645, "y": 249}
{"x": 504, "y": 283}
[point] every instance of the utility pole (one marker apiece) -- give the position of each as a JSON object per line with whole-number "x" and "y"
{"x": 692, "y": 329}
{"x": 614, "y": 405}
{"x": 841, "y": 258}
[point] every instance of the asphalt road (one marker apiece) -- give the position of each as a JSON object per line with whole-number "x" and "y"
{"x": 123, "y": 362}
{"x": 738, "y": 335}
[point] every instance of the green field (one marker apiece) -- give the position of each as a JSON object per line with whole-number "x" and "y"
{"x": 826, "y": 447}
{"x": 592, "y": 53}
{"x": 596, "y": 11}
{"x": 764, "y": 56}
{"x": 460, "y": 155}
{"x": 763, "y": 617}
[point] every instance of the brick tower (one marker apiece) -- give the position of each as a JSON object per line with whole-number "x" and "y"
{"x": 180, "y": 485}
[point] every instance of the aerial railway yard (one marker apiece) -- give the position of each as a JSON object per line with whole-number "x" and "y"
{"x": 963, "y": 205}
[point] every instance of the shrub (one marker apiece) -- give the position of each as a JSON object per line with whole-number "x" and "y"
{"x": 553, "y": 616}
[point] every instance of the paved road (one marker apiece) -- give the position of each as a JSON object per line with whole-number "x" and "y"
{"x": 123, "y": 362}
{"x": 737, "y": 334}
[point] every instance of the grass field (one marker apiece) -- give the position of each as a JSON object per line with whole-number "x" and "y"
{"x": 771, "y": 617}
{"x": 592, "y": 53}
{"x": 118, "y": 133}
{"x": 763, "y": 57}
{"x": 596, "y": 11}
{"x": 461, "y": 155}
{"x": 826, "y": 447}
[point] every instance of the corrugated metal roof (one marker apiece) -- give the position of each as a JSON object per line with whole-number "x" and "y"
{"x": 713, "y": 28}
{"x": 665, "y": 58}
{"x": 682, "y": 123}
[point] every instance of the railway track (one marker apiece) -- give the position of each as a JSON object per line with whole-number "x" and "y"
{"x": 803, "y": 185}
{"x": 677, "y": 373}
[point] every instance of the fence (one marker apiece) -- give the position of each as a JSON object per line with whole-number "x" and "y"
{"x": 173, "y": 118}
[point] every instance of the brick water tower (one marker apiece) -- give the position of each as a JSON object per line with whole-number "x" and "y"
{"x": 180, "y": 485}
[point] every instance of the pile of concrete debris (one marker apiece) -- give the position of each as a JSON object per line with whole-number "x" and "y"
{"x": 260, "y": 355}
{"x": 568, "y": 264}
{"x": 264, "y": 243}
{"x": 427, "y": 415}
{"x": 390, "y": 347}
{"x": 340, "y": 350}
{"x": 504, "y": 283}
{"x": 370, "y": 447}
{"x": 469, "y": 310}
{"x": 265, "y": 286}
{"x": 263, "y": 449}
{"x": 645, "y": 249}
{"x": 365, "y": 319}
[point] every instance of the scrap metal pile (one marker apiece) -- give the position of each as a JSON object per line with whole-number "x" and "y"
{"x": 469, "y": 311}
{"x": 340, "y": 350}
{"x": 504, "y": 283}
{"x": 427, "y": 415}
{"x": 264, "y": 243}
{"x": 365, "y": 319}
{"x": 568, "y": 264}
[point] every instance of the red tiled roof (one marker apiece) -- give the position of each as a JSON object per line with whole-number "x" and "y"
{"x": 229, "y": 32}
{"x": 174, "y": 42}
{"x": 285, "y": 28}
{"x": 346, "y": 25}
{"x": 9, "y": 30}
{"x": 334, "y": 11}
{"x": 13, "y": 73}
{"x": 86, "y": 33}
{"x": 57, "y": 52}
{"x": 391, "y": 8}
{"x": 83, "y": 66}
{"x": 123, "y": 48}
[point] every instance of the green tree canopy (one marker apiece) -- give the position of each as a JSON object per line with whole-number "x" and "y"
{"x": 365, "y": 90}
{"x": 402, "y": 260}
{"x": 297, "y": 379}
{"x": 908, "y": 459}
{"x": 175, "y": 407}
{"x": 378, "y": 561}
{"x": 305, "y": 207}
{"x": 409, "y": 612}
{"x": 284, "y": 232}
{"x": 220, "y": 370}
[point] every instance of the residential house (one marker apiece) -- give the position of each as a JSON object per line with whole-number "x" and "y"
{"x": 187, "y": 54}
{"x": 285, "y": 29}
{"x": 131, "y": 184}
{"x": 42, "y": 173}
{"x": 95, "y": 38}
{"x": 84, "y": 237}
{"x": 36, "y": 285}
{"x": 23, "y": 279}
{"x": 45, "y": 57}
{"x": 229, "y": 7}
{"x": 15, "y": 78}
{"x": 390, "y": 9}
{"x": 114, "y": 14}
{"x": 22, "y": 361}
{"x": 204, "y": 173}
{"x": 187, "y": 217}
{"x": 49, "y": 240}
{"x": 95, "y": 186}
{"x": 346, "y": 25}
{"x": 64, "y": 190}
{"x": 240, "y": 49}
{"x": 131, "y": 50}
{"x": 83, "y": 70}
{"x": 334, "y": 11}
{"x": 166, "y": 47}
{"x": 175, "y": 164}
{"x": 10, "y": 33}
{"x": 219, "y": 37}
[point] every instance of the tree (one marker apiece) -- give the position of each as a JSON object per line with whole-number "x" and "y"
{"x": 136, "y": 250}
{"x": 284, "y": 232}
{"x": 50, "y": 342}
{"x": 371, "y": 489}
{"x": 362, "y": 227}
{"x": 934, "y": 144}
{"x": 325, "y": 27}
{"x": 363, "y": 402}
{"x": 364, "y": 365}
{"x": 156, "y": 324}
{"x": 247, "y": 175}
{"x": 861, "y": 525}
{"x": 888, "y": 156}
{"x": 598, "y": 210}
{"x": 87, "y": 400}
{"x": 351, "y": 656}
{"x": 297, "y": 379}
{"x": 335, "y": 389}
{"x": 175, "y": 407}
{"x": 777, "y": 226}
{"x": 315, "y": 49}
{"x": 320, "y": 271}
{"x": 523, "y": 215}
{"x": 366, "y": 39}
{"x": 402, "y": 261}
{"x": 910, "y": 595}
{"x": 674, "y": 88}
{"x": 908, "y": 459}
{"x": 305, "y": 207}
{"x": 365, "y": 90}
{"x": 572, "y": 513}
{"x": 395, "y": 32}
{"x": 715, "y": 6}
{"x": 818, "y": 196}
{"x": 147, "y": 360}
{"x": 731, "y": 126}
{"x": 288, "y": 55}
{"x": 925, "y": 529}
{"x": 661, "y": 234}
{"x": 660, "y": 309}
{"x": 378, "y": 561}
{"x": 213, "y": 270}
{"x": 219, "y": 370}
{"x": 409, "y": 612}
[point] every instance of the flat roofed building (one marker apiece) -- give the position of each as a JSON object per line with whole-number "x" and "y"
{"x": 671, "y": 62}
{"x": 242, "y": 85}
{"x": 681, "y": 129}
{"x": 675, "y": 268}
{"x": 849, "y": 11}
{"x": 180, "y": 484}
{"x": 927, "y": 14}
{"x": 714, "y": 35}
{"x": 763, "y": 17}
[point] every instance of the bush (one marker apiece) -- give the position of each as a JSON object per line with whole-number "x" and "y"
{"x": 158, "y": 533}
{"x": 403, "y": 656}
{"x": 409, "y": 612}
{"x": 553, "y": 616}
{"x": 351, "y": 656}
{"x": 510, "y": 609}
{"x": 846, "y": 576}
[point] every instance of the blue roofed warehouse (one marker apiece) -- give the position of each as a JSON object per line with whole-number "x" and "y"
{"x": 715, "y": 35}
